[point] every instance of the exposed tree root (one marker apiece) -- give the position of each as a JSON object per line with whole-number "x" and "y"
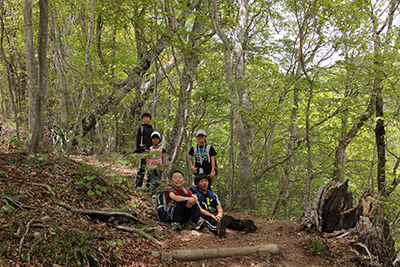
{"x": 111, "y": 215}
{"x": 31, "y": 224}
{"x": 141, "y": 232}
{"x": 48, "y": 187}
{"x": 17, "y": 204}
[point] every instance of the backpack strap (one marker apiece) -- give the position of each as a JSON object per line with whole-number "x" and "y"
{"x": 141, "y": 136}
{"x": 210, "y": 193}
{"x": 198, "y": 193}
{"x": 171, "y": 202}
{"x": 208, "y": 148}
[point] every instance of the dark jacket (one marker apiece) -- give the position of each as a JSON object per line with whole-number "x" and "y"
{"x": 147, "y": 131}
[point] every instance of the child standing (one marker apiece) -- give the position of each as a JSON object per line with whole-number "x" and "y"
{"x": 186, "y": 206}
{"x": 156, "y": 164}
{"x": 143, "y": 143}
{"x": 201, "y": 161}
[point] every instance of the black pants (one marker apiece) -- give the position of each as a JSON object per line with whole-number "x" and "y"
{"x": 213, "y": 225}
{"x": 140, "y": 173}
{"x": 182, "y": 214}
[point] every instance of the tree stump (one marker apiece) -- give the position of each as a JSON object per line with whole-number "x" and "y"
{"x": 332, "y": 209}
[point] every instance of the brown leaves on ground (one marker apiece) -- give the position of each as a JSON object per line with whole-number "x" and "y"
{"x": 50, "y": 235}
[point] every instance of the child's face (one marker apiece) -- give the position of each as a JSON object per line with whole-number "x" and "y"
{"x": 146, "y": 120}
{"x": 155, "y": 140}
{"x": 177, "y": 180}
{"x": 203, "y": 185}
{"x": 201, "y": 138}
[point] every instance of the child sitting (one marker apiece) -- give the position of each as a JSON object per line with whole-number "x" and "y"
{"x": 156, "y": 164}
{"x": 212, "y": 211}
{"x": 186, "y": 206}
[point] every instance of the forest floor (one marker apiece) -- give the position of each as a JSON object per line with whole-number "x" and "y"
{"x": 37, "y": 230}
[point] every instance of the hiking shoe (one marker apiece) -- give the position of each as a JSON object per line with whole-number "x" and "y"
{"x": 221, "y": 229}
{"x": 249, "y": 225}
{"x": 176, "y": 226}
{"x": 201, "y": 223}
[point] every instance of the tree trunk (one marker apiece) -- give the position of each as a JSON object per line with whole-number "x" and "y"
{"x": 191, "y": 62}
{"x": 291, "y": 147}
{"x": 239, "y": 98}
{"x": 59, "y": 67}
{"x": 31, "y": 71}
{"x": 332, "y": 211}
{"x": 37, "y": 136}
{"x": 344, "y": 141}
{"x": 11, "y": 80}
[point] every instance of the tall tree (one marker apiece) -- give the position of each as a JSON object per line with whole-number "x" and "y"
{"x": 31, "y": 70}
{"x": 235, "y": 73}
{"x": 35, "y": 145}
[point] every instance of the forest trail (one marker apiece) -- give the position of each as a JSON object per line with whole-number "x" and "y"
{"x": 36, "y": 229}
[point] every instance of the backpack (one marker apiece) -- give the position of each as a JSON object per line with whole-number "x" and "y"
{"x": 200, "y": 195}
{"x": 164, "y": 211}
{"x": 208, "y": 148}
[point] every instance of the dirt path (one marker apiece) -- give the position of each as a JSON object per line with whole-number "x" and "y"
{"x": 63, "y": 233}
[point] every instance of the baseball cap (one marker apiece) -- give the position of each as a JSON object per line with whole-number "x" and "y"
{"x": 201, "y": 132}
{"x": 157, "y": 134}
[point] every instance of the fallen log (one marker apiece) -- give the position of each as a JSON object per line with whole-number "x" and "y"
{"x": 202, "y": 254}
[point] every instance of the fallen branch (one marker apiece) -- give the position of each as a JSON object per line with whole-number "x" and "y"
{"x": 202, "y": 254}
{"x": 21, "y": 242}
{"x": 347, "y": 233}
{"x": 102, "y": 213}
{"x": 139, "y": 231}
{"x": 48, "y": 187}
{"x": 18, "y": 204}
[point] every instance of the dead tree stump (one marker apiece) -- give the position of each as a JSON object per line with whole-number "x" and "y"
{"x": 332, "y": 210}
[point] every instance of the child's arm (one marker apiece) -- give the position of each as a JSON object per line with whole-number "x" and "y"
{"x": 220, "y": 213}
{"x": 212, "y": 174}
{"x": 192, "y": 199}
{"x": 193, "y": 168}
{"x": 164, "y": 162}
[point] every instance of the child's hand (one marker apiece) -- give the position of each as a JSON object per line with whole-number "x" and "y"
{"x": 191, "y": 201}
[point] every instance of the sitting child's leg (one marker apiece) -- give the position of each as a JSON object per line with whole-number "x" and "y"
{"x": 211, "y": 223}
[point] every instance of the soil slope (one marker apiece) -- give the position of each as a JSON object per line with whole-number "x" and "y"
{"x": 37, "y": 231}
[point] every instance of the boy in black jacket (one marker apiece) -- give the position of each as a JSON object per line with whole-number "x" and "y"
{"x": 212, "y": 211}
{"x": 143, "y": 144}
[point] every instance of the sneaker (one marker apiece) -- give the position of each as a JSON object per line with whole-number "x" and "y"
{"x": 176, "y": 226}
{"x": 249, "y": 225}
{"x": 222, "y": 226}
{"x": 201, "y": 223}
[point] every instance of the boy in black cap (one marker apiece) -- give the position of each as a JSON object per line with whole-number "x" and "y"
{"x": 143, "y": 144}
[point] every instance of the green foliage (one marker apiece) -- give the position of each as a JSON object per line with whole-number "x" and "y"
{"x": 316, "y": 246}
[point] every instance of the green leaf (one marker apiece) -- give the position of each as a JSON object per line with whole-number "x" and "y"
{"x": 90, "y": 193}
{"x": 112, "y": 243}
{"x": 120, "y": 242}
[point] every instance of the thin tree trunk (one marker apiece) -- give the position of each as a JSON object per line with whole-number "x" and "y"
{"x": 239, "y": 98}
{"x": 288, "y": 165}
{"x": 31, "y": 71}
{"x": 10, "y": 79}
{"x": 60, "y": 69}
{"x": 37, "y": 137}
